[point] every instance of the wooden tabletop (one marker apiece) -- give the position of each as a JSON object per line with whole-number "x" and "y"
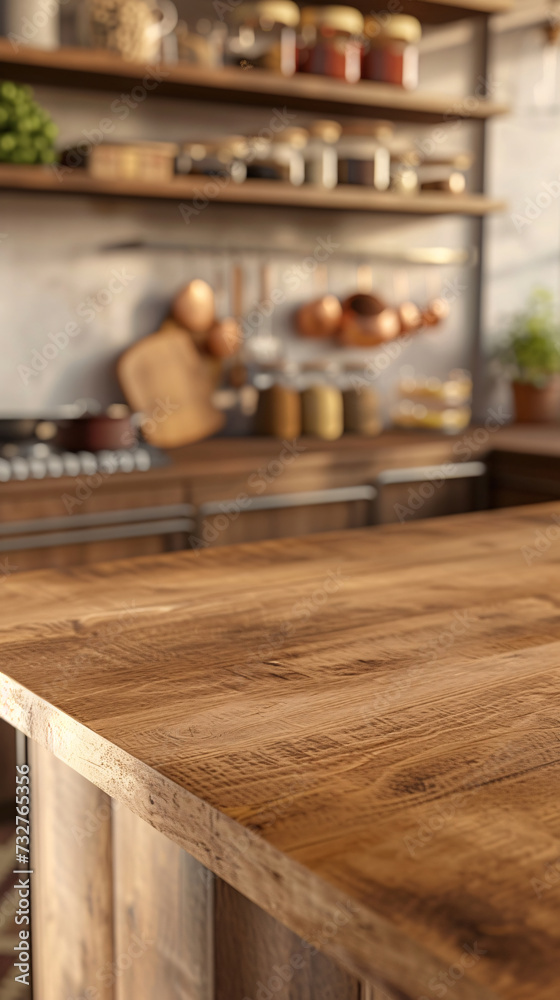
{"x": 358, "y": 731}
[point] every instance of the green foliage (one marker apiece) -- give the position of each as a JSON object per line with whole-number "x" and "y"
{"x": 531, "y": 350}
{"x": 27, "y": 133}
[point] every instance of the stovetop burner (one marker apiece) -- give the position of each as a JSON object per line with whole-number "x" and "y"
{"x": 39, "y": 460}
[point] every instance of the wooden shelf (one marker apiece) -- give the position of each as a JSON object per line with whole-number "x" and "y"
{"x": 97, "y": 69}
{"x": 344, "y": 197}
{"x": 438, "y": 11}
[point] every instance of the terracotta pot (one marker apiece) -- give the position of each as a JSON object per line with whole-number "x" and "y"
{"x": 535, "y": 405}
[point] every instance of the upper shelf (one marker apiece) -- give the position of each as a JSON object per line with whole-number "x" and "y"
{"x": 254, "y": 192}
{"x": 97, "y": 69}
{"x": 438, "y": 11}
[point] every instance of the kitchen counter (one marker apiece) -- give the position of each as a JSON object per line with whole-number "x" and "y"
{"x": 388, "y": 698}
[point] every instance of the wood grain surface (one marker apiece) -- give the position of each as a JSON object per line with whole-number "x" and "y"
{"x": 163, "y": 914}
{"x": 357, "y": 731}
{"x": 72, "y": 876}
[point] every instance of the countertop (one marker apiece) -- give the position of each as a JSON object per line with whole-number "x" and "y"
{"x": 365, "y": 722}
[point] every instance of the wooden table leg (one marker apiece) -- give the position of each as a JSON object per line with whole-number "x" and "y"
{"x": 163, "y": 916}
{"x": 71, "y": 885}
{"x": 259, "y": 959}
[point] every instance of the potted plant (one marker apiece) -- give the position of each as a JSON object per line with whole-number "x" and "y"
{"x": 530, "y": 357}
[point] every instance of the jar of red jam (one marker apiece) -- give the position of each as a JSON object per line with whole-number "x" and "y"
{"x": 390, "y": 52}
{"x": 263, "y": 35}
{"x": 331, "y": 42}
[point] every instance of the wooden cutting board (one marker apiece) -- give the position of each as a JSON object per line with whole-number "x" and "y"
{"x": 164, "y": 377}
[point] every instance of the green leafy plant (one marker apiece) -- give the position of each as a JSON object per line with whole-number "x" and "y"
{"x": 531, "y": 351}
{"x": 27, "y": 132}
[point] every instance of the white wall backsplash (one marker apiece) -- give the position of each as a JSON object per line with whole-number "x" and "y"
{"x": 55, "y": 252}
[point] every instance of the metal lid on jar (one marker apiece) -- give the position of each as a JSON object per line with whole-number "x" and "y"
{"x": 376, "y": 129}
{"x": 294, "y": 136}
{"x": 399, "y": 27}
{"x": 328, "y": 131}
{"x": 346, "y": 19}
{"x": 267, "y": 13}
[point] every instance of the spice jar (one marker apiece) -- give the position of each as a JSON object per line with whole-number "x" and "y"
{"x": 361, "y": 403}
{"x": 279, "y": 406}
{"x": 331, "y": 42}
{"x": 224, "y": 158}
{"x": 321, "y": 402}
{"x": 133, "y": 28}
{"x": 390, "y": 53}
{"x": 321, "y": 155}
{"x": 280, "y": 158}
{"x": 364, "y": 157}
{"x": 264, "y": 35}
{"x": 202, "y": 46}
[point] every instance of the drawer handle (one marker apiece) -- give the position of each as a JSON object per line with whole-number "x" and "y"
{"x": 103, "y": 534}
{"x": 285, "y": 501}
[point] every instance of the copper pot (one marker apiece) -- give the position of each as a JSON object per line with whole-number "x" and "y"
{"x": 535, "y": 405}
{"x": 367, "y": 321}
{"x": 319, "y": 319}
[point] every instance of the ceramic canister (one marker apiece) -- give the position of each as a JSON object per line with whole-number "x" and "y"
{"x": 33, "y": 22}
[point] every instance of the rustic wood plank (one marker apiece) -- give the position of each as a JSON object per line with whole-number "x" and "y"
{"x": 71, "y": 885}
{"x": 365, "y": 719}
{"x": 163, "y": 916}
{"x": 257, "y": 957}
{"x": 101, "y": 69}
{"x": 345, "y": 197}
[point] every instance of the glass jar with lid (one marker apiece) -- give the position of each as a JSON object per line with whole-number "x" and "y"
{"x": 279, "y": 406}
{"x": 331, "y": 42}
{"x": 279, "y": 158}
{"x": 362, "y": 404}
{"x": 321, "y": 400}
{"x": 390, "y": 53}
{"x": 264, "y": 35}
{"x": 364, "y": 156}
{"x": 321, "y": 154}
{"x": 135, "y": 29}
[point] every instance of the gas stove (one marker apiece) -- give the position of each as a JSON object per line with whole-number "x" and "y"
{"x": 39, "y": 460}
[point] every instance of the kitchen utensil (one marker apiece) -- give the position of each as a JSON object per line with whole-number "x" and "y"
{"x": 111, "y": 431}
{"x": 194, "y": 309}
{"x": 163, "y": 377}
{"x": 320, "y": 318}
{"x": 436, "y": 312}
{"x": 367, "y": 321}
{"x": 410, "y": 317}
